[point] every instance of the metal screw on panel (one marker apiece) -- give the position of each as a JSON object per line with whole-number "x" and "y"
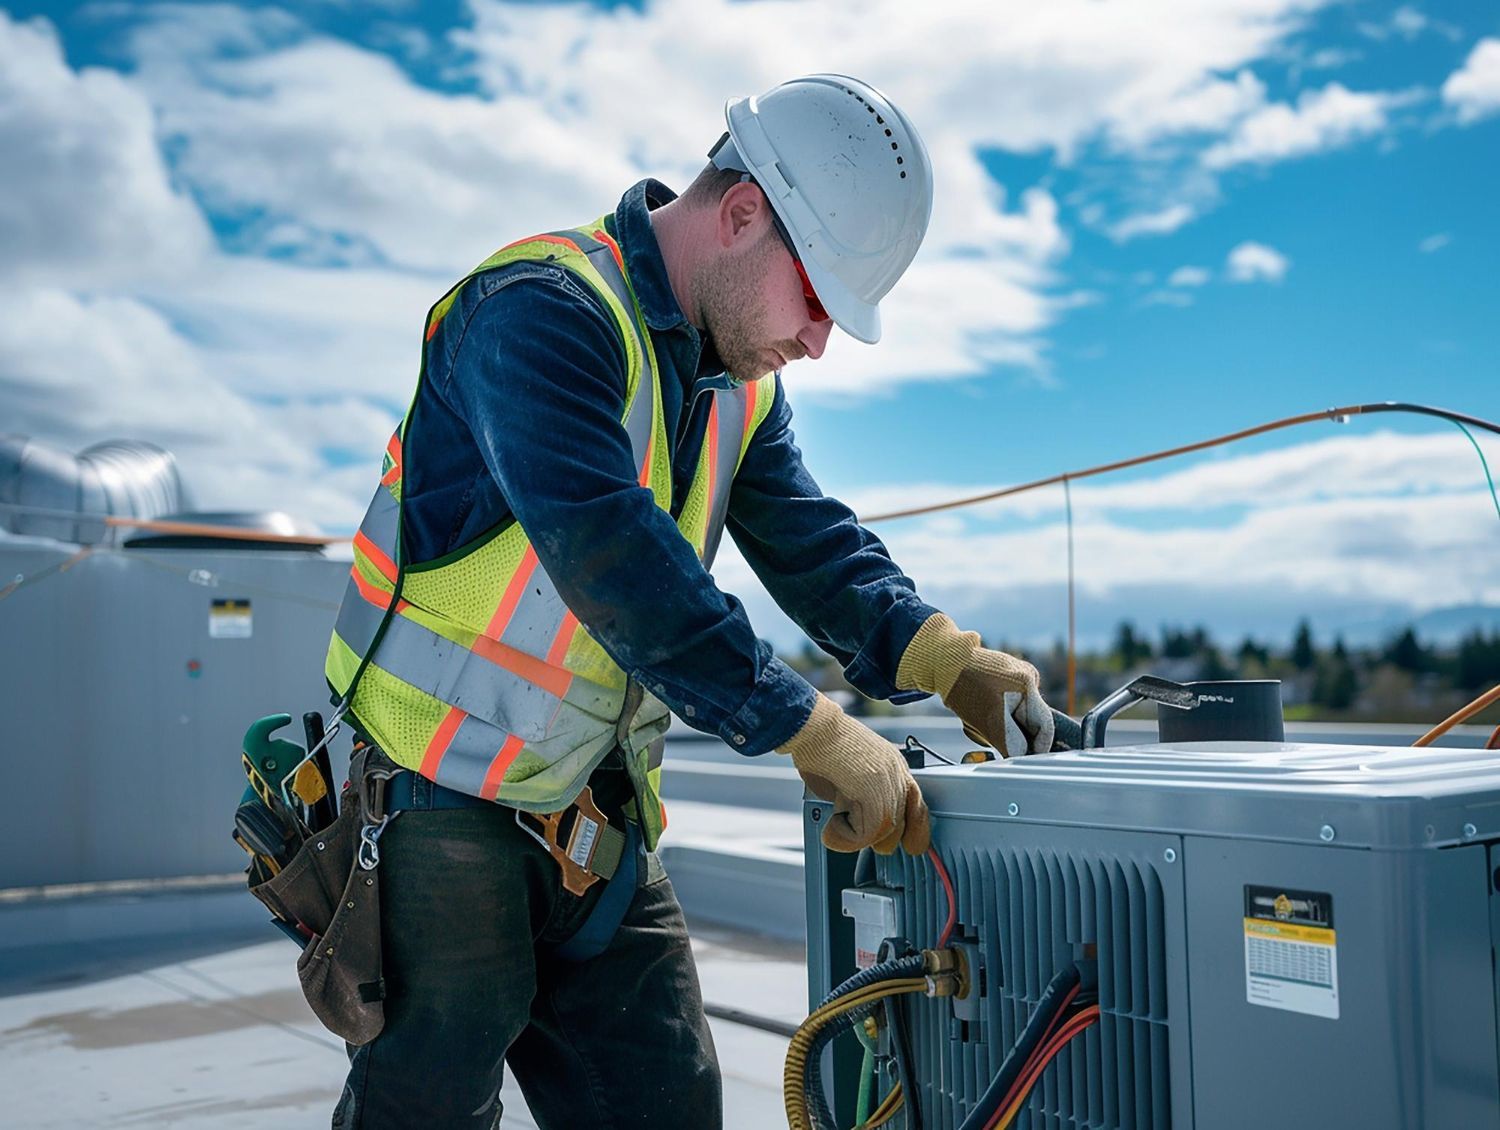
{"x": 1014, "y": 809}
{"x": 1170, "y": 855}
{"x": 1326, "y": 833}
{"x": 817, "y": 814}
{"x": 1470, "y": 831}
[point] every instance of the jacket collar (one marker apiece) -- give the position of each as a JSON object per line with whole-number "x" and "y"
{"x": 643, "y": 260}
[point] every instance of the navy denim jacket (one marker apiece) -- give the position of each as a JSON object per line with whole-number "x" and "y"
{"x": 519, "y": 420}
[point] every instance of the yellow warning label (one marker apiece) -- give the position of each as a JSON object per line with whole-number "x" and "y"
{"x": 1288, "y": 932}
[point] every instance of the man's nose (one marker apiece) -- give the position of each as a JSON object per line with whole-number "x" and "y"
{"x": 814, "y": 337}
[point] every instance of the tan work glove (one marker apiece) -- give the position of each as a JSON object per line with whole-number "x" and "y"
{"x": 995, "y": 694}
{"x": 876, "y": 803}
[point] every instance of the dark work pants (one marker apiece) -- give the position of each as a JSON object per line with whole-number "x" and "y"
{"x": 471, "y": 911}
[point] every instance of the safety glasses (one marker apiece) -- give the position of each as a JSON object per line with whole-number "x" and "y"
{"x": 815, "y": 309}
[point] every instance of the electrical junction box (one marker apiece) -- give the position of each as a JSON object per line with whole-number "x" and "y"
{"x": 876, "y": 917}
{"x": 1288, "y": 935}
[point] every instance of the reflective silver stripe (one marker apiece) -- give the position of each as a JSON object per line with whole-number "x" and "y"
{"x": 638, "y": 416}
{"x": 537, "y": 616}
{"x": 356, "y": 629}
{"x": 468, "y": 756}
{"x": 380, "y": 521}
{"x": 734, "y": 405}
{"x": 448, "y": 671}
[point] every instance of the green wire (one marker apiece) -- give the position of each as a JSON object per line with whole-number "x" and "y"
{"x": 1483, "y": 463}
{"x": 866, "y": 1077}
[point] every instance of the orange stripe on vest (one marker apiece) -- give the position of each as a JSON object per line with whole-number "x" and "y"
{"x": 535, "y": 671}
{"x": 559, "y": 650}
{"x": 376, "y": 596}
{"x": 432, "y": 757}
{"x": 603, "y": 237}
{"x": 375, "y": 555}
{"x": 496, "y": 772}
{"x": 512, "y": 595}
{"x": 393, "y": 449}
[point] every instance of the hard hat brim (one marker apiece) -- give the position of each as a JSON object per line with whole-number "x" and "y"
{"x": 859, "y": 319}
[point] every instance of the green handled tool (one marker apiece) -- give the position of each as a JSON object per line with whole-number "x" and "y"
{"x": 268, "y": 760}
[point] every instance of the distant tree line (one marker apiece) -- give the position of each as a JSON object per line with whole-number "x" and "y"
{"x": 1401, "y": 679}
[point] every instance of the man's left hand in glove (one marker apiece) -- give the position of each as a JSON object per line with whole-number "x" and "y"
{"x": 996, "y": 695}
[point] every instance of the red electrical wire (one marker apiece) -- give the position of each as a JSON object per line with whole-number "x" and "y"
{"x": 1038, "y": 1062}
{"x": 942, "y": 871}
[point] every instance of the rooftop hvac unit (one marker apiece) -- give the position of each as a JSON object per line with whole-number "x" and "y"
{"x": 1277, "y": 934}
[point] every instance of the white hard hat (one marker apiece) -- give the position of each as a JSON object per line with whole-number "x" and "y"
{"x": 848, "y": 176}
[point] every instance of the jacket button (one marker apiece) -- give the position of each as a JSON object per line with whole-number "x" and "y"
{"x": 689, "y": 711}
{"x": 739, "y": 739}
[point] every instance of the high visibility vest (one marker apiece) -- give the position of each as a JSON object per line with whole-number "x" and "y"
{"x": 479, "y": 677}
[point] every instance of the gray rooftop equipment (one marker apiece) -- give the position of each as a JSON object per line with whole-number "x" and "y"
{"x": 131, "y": 663}
{"x": 1288, "y": 934}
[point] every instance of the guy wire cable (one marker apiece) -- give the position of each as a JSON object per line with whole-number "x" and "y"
{"x": 1337, "y": 415}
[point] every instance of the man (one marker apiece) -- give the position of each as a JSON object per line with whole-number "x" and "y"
{"x": 530, "y": 598}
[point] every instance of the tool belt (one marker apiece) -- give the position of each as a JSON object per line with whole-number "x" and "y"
{"x": 328, "y": 897}
{"x": 586, "y": 846}
{"x": 581, "y": 840}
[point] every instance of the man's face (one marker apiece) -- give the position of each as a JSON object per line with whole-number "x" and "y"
{"x": 752, "y": 296}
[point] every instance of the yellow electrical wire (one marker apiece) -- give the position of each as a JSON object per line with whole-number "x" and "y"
{"x": 794, "y": 1074}
{"x": 1432, "y": 735}
{"x": 886, "y": 1111}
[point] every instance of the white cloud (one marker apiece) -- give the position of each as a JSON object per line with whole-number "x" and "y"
{"x": 1255, "y": 262}
{"x": 1435, "y": 242}
{"x": 1189, "y": 276}
{"x": 1163, "y": 221}
{"x": 1474, "y": 89}
{"x": 1331, "y": 58}
{"x": 1209, "y": 106}
{"x": 1407, "y": 23}
{"x": 88, "y": 198}
{"x": 1322, "y": 119}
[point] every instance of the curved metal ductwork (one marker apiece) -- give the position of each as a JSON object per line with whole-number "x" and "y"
{"x": 49, "y": 493}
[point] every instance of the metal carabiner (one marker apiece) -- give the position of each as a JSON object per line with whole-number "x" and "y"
{"x": 368, "y": 853}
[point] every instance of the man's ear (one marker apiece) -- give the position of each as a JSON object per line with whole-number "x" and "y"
{"x": 743, "y": 210}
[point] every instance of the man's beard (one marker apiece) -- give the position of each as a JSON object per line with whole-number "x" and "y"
{"x": 734, "y": 323}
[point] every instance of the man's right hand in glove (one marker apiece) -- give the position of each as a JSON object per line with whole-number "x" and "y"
{"x": 876, "y": 803}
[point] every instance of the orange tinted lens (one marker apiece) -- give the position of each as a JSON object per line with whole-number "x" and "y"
{"x": 815, "y": 309}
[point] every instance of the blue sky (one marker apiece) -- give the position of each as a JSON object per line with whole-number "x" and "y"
{"x": 1155, "y": 221}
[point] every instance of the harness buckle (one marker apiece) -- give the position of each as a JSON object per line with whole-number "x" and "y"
{"x": 576, "y": 857}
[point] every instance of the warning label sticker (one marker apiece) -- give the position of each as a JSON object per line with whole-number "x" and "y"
{"x": 1291, "y": 951}
{"x": 230, "y": 620}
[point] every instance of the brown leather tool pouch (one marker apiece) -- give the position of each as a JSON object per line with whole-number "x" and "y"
{"x": 326, "y": 890}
